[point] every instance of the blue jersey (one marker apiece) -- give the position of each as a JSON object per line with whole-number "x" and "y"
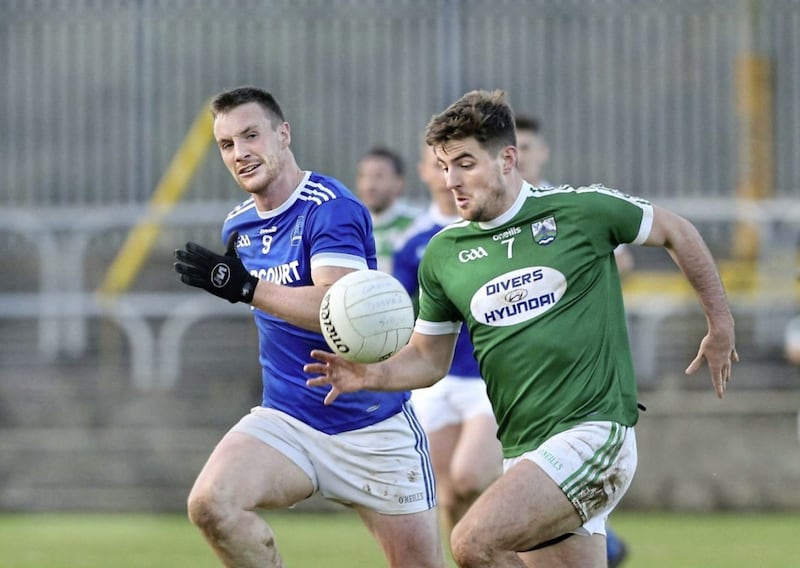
{"x": 406, "y": 264}
{"x": 321, "y": 224}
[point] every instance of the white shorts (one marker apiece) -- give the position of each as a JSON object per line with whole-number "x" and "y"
{"x": 385, "y": 467}
{"x": 593, "y": 463}
{"x": 452, "y": 400}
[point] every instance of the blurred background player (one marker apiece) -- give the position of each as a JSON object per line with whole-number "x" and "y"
{"x": 380, "y": 182}
{"x": 532, "y": 149}
{"x": 455, "y": 412}
{"x": 533, "y": 153}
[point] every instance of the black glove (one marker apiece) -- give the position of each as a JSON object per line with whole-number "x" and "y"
{"x": 223, "y": 276}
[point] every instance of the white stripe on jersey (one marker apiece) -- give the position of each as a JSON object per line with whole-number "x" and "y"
{"x": 426, "y": 327}
{"x": 647, "y": 208}
{"x": 339, "y": 260}
{"x": 316, "y": 192}
{"x": 457, "y": 224}
{"x": 241, "y": 208}
{"x": 597, "y": 188}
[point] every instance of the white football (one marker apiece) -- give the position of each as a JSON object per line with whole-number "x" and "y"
{"x": 366, "y": 316}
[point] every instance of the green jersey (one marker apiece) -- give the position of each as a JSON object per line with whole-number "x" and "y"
{"x": 539, "y": 291}
{"x": 390, "y": 228}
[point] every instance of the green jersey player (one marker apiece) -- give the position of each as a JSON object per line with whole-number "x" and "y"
{"x": 532, "y": 273}
{"x": 528, "y": 270}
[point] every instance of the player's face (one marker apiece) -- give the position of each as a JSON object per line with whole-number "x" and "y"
{"x": 377, "y": 183}
{"x": 477, "y": 178}
{"x": 430, "y": 172}
{"x": 533, "y": 153}
{"x": 251, "y": 149}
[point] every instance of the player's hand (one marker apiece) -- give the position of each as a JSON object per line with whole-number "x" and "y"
{"x": 222, "y": 275}
{"x": 341, "y": 374}
{"x": 720, "y": 353}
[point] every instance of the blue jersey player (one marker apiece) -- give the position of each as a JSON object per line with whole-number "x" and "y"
{"x": 296, "y": 234}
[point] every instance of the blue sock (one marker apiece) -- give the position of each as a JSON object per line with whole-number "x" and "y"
{"x": 615, "y": 548}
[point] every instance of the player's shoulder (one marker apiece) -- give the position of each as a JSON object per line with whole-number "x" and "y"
{"x": 324, "y": 197}
{"x": 583, "y": 202}
{"x": 318, "y": 188}
{"x": 446, "y": 235}
{"x": 570, "y": 192}
{"x": 248, "y": 206}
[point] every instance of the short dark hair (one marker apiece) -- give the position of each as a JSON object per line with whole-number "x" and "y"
{"x": 394, "y": 158}
{"x": 483, "y": 115}
{"x": 528, "y": 122}
{"x": 228, "y": 100}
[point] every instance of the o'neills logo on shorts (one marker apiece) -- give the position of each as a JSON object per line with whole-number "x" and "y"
{"x": 403, "y": 499}
{"x": 328, "y": 328}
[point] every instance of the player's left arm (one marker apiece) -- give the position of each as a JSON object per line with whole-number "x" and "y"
{"x": 687, "y": 248}
{"x": 298, "y": 305}
{"x": 225, "y": 276}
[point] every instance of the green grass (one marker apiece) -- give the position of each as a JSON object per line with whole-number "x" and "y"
{"x": 338, "y": 540}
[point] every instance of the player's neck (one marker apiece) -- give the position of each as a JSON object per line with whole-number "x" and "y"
{"x": 282, "y": 187}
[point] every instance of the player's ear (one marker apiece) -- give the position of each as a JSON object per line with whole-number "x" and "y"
{"x": 509, "y": 156}
{"x": 285, "y": 133}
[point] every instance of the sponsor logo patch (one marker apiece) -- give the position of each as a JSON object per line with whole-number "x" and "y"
{"x": 518, "y": 296}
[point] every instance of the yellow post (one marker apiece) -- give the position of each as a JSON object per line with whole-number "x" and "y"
{"x": 756, "y": 158}
{"x": 128, "y": 262}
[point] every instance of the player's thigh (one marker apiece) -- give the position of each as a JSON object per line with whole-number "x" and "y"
{"x": 407, "y": 540}
{"x": 244, "y": 472}
{"x": 443, "y": 443}
{"x": 520, "y": 510}
{"x": 478, "y": 454}
{"x": 578, "y": 550}
{"x": 593, "y": 463}
{"x": 385, "y": 466}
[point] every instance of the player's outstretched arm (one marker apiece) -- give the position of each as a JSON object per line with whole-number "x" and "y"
{"x": 225, "y": 276}
{"x": 690, "y": 253}
{"x": 419, "y": 364}
{"x": 222, "y": 275}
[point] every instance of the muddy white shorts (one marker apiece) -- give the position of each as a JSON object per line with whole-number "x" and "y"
{"x": 385, "y": 467}
{"x": 451, "y": 400}
{"x": 593, "y": 463}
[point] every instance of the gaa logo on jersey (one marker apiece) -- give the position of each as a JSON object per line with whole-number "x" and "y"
{"x": 243, "y": 241}
{"x": 220, "y": 275}
{"x": 518, "y": 296}
{"x": 472, "y": 254}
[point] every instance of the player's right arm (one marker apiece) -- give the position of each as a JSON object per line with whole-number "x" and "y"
{"x": 421, "y": 363}
{"x": 687, "y": 248}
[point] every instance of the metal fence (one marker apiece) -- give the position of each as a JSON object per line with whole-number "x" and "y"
{"x": 636, "y": 94}
{"x": 114, "y": 404}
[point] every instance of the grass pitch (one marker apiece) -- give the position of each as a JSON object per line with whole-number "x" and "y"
{"x": 338, "y": 540}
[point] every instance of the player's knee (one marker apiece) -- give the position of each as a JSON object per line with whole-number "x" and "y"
{"x": 468, "y": 484}
{"x": 207, "y": 513}
{"x": 467, "y": 546}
